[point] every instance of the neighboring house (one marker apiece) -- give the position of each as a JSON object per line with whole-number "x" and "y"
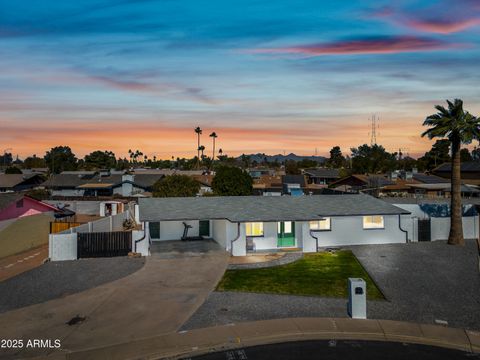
{"x": 71, "y": 184}
{"x": 358, "y": 182}
{"x": 19, "y": 182}
{"x": 257, "y": 173}
{"x": 321, "y": 176}
{"x": 293, "y": 185}
{"x": 242, "y": 224}
{"x": 470, "y": 172}
{"x": 15, "y": 205}
{"x": 205, "y": 182}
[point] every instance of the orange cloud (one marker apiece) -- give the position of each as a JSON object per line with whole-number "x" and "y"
{"x": 442, "y": 27}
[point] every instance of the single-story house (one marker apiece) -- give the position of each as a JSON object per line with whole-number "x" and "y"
{"x": 19, "y": 182}
{"x": 16, "y": 205}
{"x": 321, "y": 176}
{"x": 357, "y": 182}
{"x": 470, "y": 171}
{"x": 242, "y": 224}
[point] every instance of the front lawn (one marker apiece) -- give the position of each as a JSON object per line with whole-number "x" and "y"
{"x": 320, "y": 274}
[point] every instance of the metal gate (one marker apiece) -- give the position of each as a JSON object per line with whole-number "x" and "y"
{"x": 424, "y": 230}
{"x": 104, "y": 244}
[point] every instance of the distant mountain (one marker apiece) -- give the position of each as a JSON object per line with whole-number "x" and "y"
{"x": 259, "y": 158}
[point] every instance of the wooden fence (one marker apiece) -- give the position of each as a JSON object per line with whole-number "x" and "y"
{"x": 56, "y": 227}
{"x": 104, "y": 244}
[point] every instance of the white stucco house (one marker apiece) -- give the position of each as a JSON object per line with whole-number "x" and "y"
{"x": 243, "y": 224}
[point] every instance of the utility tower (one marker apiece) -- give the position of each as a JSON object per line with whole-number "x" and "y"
{"x": 373, "y": 131}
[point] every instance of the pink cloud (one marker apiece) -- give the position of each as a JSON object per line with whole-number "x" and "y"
{"x": 387, "y": 45}
{"x": 442, "y": 27}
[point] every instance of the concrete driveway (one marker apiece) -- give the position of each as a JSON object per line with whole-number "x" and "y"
{"x": 155, "y": 300}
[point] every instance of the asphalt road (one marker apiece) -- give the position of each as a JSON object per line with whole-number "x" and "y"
{"x": 340, "y": 350}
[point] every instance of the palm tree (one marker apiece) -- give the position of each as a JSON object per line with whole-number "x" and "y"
{"x": 213, "y": 135}
{"x": 198, "y": 131}
{"x": 201, "y": 148}
{"x": 459, "y": 127}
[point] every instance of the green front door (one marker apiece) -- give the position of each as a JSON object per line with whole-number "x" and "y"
{"x": 204, "y": 228}
{"x": 286, "y": 234}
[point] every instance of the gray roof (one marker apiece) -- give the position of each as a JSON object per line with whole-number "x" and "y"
{"x": 323, "y": 173}
{"x": 429, "y": 179}
{"x": 68, "y": 180}
{"x": 469, "y": 166}
{"x": 263, "y": 208}
{"x": 12, "y": 180}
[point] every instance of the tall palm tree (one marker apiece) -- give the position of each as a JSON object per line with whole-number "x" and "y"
{"x": 213, "y": 135}
{"x": 198, "y": 131}
{"x": 201, "y": 149}
{"x": 459, "y": 127}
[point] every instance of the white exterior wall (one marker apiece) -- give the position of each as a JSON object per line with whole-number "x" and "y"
{"x": 62, "y": 247}
{"x": 173, "y": 230}
{"x": 440, "y": 227}
{"x": 239, "y": 245}
{"x": 348, "y": 230}
{"x": 269, "y": 238}
{"x": 219, "y": 233}
{"x": 68, "y": 192}
{"x": 143, "y": 246}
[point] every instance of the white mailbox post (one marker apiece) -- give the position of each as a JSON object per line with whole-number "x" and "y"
{"x": 357, "y": 298}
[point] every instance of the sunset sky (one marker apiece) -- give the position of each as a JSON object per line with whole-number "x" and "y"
{"x": 267, "y": 76}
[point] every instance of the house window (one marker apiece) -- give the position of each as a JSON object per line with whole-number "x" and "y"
{"x": 20, "y": 203}
{"x": 254, "y": 229}
{"x": 373, "y": 222}
{"x": 320, "y": 225}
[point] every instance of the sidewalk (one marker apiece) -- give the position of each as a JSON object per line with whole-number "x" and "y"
{"x": 234, "y": 336}
{"x": 19, "y": 263}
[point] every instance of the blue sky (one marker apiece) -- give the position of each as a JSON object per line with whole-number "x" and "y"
{"x": 267, "y": 76}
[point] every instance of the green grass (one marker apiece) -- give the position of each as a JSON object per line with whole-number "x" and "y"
{"x": 320, "y": 274}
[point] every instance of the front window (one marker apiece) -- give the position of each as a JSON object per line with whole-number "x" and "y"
{"x": 319, "y": 225}
{"x": 373, "y": 222}
{"x": 254, "y": 229}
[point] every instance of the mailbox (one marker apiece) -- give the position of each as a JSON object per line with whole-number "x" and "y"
{"x": 357, "y": 298}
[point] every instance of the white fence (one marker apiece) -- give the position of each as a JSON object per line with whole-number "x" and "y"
{"x": 63, "y": 245}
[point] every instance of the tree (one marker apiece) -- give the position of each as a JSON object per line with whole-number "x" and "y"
{"x": 232, "y": 181}
{"x": 213, "y": 135}
{"x": 459, "y": 127}
{"x": 176, "y": 186}
{"x": 336, "y": 160}
{"x": 6, "y": 159}
{"x": 32, "y": 162}
{"x": 465, "y": 155}
{"x": 438, "y": 154}
{"x": 372, "y": 159}
{"x": 201, "y": 149}
{"x": 60, "y": 158}
{"x": 291, "y": 168}
{"x": 198, "y": 131}
{"x": 13, "y": 170}
{"x": 100, "y": 160}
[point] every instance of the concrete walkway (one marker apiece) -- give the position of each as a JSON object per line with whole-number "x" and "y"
{"x": 155, "y": 300}
{"x": 283, "y": 260}
{"x": 235, "y": 336}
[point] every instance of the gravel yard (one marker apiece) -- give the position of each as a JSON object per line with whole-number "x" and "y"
{"x": 61, "y": 278}
{"x": 423, "y": 282}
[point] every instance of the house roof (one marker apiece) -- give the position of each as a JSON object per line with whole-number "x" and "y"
{"x": 12, "y": 180}
{"x": 368, "y": 180}
{"x": 469, "y": 166}
{"x": 428, "y": 179}
{"x": 323, "y": 173}
{"x": 263, "y": 208}
{"x": 67, "y": 180}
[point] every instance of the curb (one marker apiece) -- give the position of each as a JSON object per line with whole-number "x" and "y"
{"x": 233, "y": 336}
